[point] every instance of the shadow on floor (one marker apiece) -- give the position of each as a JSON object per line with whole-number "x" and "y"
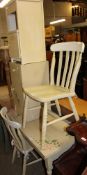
{"x": 7, "y": 168}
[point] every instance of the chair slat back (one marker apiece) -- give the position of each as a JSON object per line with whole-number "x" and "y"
{"x": 13, "y": 127}
{"x": 52, "y": 69}
{"x": 69, "y": 55}
{"x": 60, "y": 67}
{"x": 71, "y": 69}
{"x": 65, "y": 69}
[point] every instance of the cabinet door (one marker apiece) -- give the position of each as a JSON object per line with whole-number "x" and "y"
{"x": 14, "y": 47}
{"x": 17, "y": 87}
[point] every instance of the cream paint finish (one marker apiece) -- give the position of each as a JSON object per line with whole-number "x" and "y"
{"x": 34, "y": 74}
{"x": 54, "y": 146}
{"x": 13, "y": 40}
{"x": 32, "y": 131}
{"x": 29, "y": 42}
{"x": 63, "y": 88}
{"x": 31, "y": 31}
{"x": 24, "y": 76}
{"x": 81, "y": 105}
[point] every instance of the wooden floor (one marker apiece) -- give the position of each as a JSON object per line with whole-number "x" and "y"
{"x": 81, "y": 105}
{"x": 4, "y": 92}
{"x": 7, "y": 168}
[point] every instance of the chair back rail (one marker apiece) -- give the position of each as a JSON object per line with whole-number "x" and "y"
{"x": 69, "y": 55}
{"x": 14, "y": 129}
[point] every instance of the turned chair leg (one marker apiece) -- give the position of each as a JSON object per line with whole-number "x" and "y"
{"x": 14, "y": 154}
{"x": 24, "y": 164}
{"x": 73, "y": 108}
{"x": 44, "y": 123}
{"x": 58, "y": 107}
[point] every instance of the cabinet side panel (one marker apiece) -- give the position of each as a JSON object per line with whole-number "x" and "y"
{"x": 31, "y": 31}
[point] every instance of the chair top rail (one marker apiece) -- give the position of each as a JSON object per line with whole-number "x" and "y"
{"x": 13, "y": 124}
{"x": 14, "y": 129}
{"x": 68, "y": 46}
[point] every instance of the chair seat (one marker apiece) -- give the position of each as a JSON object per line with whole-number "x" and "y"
{"x": 46, "y": 93}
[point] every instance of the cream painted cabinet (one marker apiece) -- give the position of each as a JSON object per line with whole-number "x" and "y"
{"x": 28, "y": 67}
{"x": 25, "y": 21}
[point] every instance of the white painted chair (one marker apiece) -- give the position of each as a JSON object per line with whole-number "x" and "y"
{"x": 69, "y": 55}
{"x": 20, "y": 143}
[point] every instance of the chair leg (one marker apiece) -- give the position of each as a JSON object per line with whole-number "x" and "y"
{"x": 14, "y": 154}
{"x": 18, "y": 154}
{"x": 25, "y": 110}
{"x": 44, "y": 122}
{"x": 58, "y": 107}
{"x": 24, "y": 164}
{"x": 73, "y": 108}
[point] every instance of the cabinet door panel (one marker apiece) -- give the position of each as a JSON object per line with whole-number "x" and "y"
{"x": 17, "y": 87}
{"x": 16, "y": 75}
{"x": 14, "y": 49}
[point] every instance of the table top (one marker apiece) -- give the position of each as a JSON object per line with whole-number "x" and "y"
{"x": 57, "y": 139}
